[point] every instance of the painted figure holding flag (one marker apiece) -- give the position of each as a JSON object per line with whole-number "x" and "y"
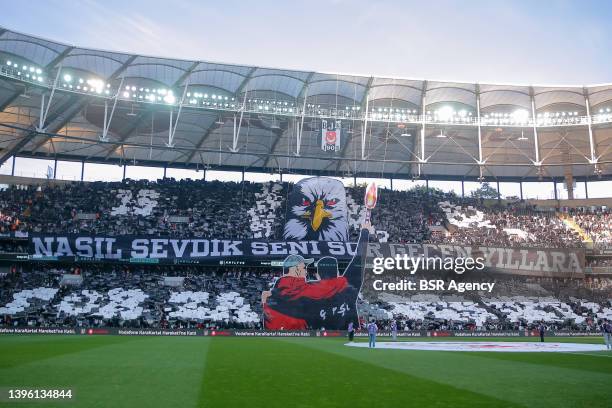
{"x": 295, "y": 303}
{"x": 330, "y": 301}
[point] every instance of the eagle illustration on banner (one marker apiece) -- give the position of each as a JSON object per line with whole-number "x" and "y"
{"x": 317, "y": 210}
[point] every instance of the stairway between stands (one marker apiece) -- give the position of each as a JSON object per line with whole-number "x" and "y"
{"x": 567, "y": 220}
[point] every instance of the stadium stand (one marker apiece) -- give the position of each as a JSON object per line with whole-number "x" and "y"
{"x": 203, "y": 209}
{"x": 597, "y": 224}
{"x": 229, "y": 297}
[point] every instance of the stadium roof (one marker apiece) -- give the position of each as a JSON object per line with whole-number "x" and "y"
{"x": 66, "y": 102}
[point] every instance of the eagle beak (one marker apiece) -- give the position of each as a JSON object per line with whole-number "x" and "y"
{"x": 319, "y": 214}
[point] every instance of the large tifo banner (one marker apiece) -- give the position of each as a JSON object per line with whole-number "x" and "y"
{"x": 322, "y": 273}
{"x": 514, "y": 260}
{"x": 139, "y": 247}
{"x": 46, "y": 247}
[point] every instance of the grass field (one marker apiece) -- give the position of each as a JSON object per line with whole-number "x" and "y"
{"x": 295, "y": 372}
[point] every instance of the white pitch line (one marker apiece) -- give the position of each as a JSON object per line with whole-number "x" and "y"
{"x": 587, "y": 354}
{"x": 480, "y": 346}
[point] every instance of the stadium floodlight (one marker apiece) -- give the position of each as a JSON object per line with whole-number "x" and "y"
{"x": 67, "y": 78}
{"x": 520, "y": 115}
{"x": 95, "y": 84}
{"x": 445, "y": 113}
{"x": 169, "y": 98}
{"x": 9, "y": 63}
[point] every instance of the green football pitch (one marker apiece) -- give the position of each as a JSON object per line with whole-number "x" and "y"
{"x": 114, "y": 371}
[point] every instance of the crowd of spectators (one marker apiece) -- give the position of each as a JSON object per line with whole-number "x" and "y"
{"x": 154, "y": 306}
{"x": 251, "y": 210}
{"x": 406, "y": 216}
{"x": 230, "y": 297}
{"x": 165, "y": 207}
{"x": 596, "y": 223}
{"x": 231, "y": 210}
{"x": 505, "y": 224}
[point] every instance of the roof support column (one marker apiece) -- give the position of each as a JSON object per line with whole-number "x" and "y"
{"x": 422, "y": 142}
{"x": 365, "y": 127}
{"x": 498, "y": 192}
{"x": 593, "y": 159}
{"x": 238, "y": 126}
{"x": 480, "y": 160}
{"x": 173, "y": 125}
{"x": 44, "y": 110}
{"x": 421, "y": 159}
{"x": 300, "y": 130}
{"x": 536, "y": 147}
{"x": 108, "y": 119}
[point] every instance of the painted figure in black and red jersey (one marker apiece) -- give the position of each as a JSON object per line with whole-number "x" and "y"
{"x": 329, "y": 301}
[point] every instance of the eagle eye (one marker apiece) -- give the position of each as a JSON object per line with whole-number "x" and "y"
{"x": 331, "y": 203}
{"x": 305, "y": 202}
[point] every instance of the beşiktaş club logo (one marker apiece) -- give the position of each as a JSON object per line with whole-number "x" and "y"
{"x": 330, "y": 135}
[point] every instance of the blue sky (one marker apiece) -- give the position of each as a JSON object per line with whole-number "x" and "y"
{"x": 527, "y": 42}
